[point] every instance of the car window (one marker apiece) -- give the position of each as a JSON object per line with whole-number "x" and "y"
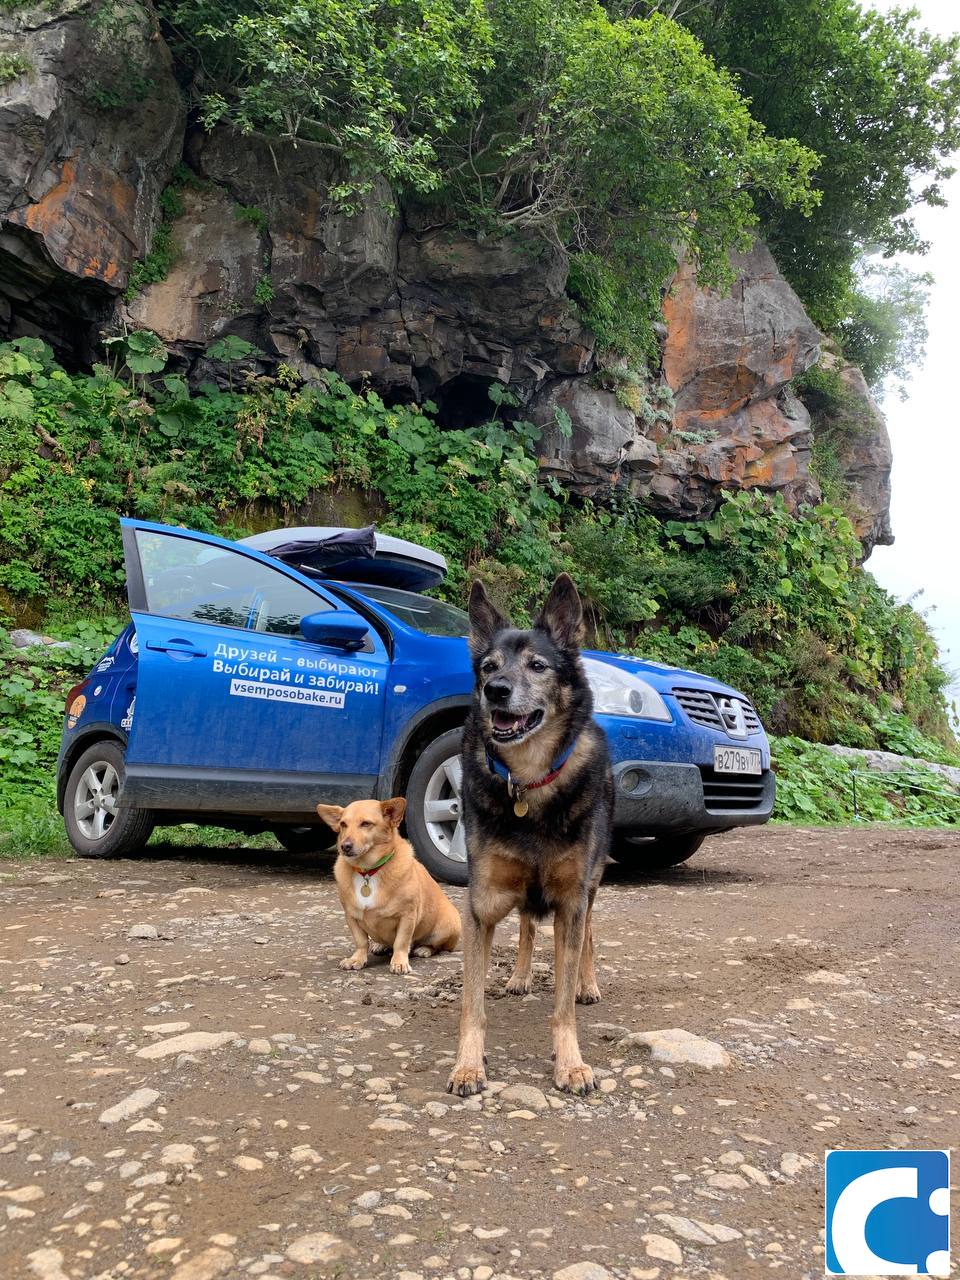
{"x": 432, "y": 617}
{"x": 193, "y": 580}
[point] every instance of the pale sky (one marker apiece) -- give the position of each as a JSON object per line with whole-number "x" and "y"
{"x": 925, "y": 429}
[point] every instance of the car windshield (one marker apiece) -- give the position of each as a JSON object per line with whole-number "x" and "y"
{"x": 432, "y": 617}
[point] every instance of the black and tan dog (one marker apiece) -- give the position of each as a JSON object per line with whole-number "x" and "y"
{"x": 538, "y": 800}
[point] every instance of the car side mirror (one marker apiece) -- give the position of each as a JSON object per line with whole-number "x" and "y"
{"x": 338, "y": 628}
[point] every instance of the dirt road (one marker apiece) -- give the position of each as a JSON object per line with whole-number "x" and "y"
{"x": 190, "y": 1087}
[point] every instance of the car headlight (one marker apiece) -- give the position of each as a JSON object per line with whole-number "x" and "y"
{"x": 618, "y": 693}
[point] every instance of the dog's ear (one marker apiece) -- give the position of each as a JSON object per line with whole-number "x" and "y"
{"x": 393, "y": 810}
{"x": 331, "y": 814}
{"x": 485, "y": 619}
{"x": 562, "y": 614}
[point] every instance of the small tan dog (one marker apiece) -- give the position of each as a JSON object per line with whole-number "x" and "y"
{"x": 388, "y": 897}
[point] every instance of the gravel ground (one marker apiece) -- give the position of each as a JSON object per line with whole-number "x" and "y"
{"x": 191, "y": 1088}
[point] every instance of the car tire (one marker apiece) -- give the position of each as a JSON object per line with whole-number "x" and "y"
{"x": 653, "y": 853}
{"x": 96, "y": 828}
{"x": 304, "y": 839}
{"x": 434, "y": 811}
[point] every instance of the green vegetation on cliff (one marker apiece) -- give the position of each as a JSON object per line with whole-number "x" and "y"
{"x": 773, "y": 603}
{"x": 619, "y": 130}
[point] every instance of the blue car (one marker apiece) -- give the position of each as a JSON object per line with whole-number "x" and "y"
{"x": 257, "y": 678}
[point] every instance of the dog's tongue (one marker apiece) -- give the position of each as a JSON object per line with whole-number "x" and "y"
{"x": 504, "y": 720}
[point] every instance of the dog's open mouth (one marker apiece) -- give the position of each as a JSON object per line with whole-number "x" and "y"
{"x": 507, "y": 727}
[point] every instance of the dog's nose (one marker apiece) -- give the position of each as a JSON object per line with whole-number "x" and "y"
{"x": 497, "y": 691}
{"x": 346, "y": 846}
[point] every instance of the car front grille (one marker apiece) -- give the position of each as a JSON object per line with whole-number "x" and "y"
{"x": 704, "y": 707}
{"x": 723, "y": 792}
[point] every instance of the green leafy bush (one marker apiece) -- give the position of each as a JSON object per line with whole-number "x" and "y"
{"x": 264, "y": 292}
{"x": 765, "y": 599}
{"x": 150, "y": 448}
{"x": 368, "y": 87}
{"x": 816, "y": 787}
{"x": 13, "y": 66}
{"x": 33, "y": 686}
{"x": 618, "y": 139}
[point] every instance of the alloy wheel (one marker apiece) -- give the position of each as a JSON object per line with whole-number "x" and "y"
{"x": 95, "y": 800}
{"x": 443, "y": 810}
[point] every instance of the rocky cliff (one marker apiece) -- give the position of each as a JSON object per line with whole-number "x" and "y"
{"x": 415, "y": 310}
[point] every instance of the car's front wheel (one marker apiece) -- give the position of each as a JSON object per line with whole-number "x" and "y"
{"x": 653, "y": 853}
{"x": 435, "y": 810}
{"x": 96, "y": 826}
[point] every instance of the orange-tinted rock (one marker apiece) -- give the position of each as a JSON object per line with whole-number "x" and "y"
{"x": 728, "y": 358}
{"x": 74, "y": 218}
{"x": 79, "y": 183}
{"x": 724, "y": 351}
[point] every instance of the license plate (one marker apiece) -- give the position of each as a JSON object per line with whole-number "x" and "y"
{"x": 736, "y": 760}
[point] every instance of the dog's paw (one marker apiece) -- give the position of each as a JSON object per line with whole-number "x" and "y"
{"x": 589, "y": 995}
{"x": 466, "y": 1080}
{"x": 517, "y": 986}
{"x": 423, "y": 953}
{"x": 575, "y": 1079}
{"x": 378, "y": 948}
{"x": 356, "y": 961}
{"x": 399, "y": 964}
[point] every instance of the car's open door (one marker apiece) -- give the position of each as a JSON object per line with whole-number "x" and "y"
{"x": 235, "y": 709}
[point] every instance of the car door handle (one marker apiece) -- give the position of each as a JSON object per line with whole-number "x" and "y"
{"x": 178, "y": 646}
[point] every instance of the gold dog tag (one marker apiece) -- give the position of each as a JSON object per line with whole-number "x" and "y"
{"x": 520, "y": 807}
{"x": 365, "y": 890}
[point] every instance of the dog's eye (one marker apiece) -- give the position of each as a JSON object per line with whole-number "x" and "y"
{"x": 537, "y": 664}
{"x": 366, "y": 823}
{"x": 488, "y": 666}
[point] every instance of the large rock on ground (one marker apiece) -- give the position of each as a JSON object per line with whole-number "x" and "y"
{"x": 79, "y": 181}
{"x": 678, "y": 1047}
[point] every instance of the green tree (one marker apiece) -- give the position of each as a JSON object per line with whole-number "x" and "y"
{"x": 876, "y": 97}
{"x": 618, "y": 139}
{"x": 885, "y": 331}
{"x": 370, "y": 84}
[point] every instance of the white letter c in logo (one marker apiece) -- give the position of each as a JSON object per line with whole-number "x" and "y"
{"x": 854, "y": 1205}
